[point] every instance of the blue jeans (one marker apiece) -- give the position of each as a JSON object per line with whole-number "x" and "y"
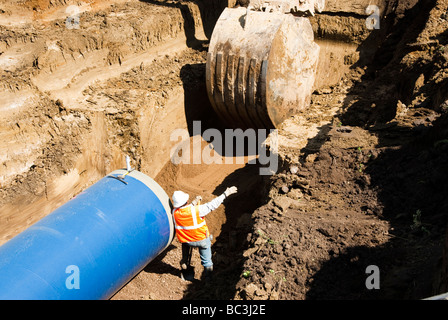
{"x": 205, "y": 251}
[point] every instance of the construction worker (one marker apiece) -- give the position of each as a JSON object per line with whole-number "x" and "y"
{"x": 192, "y": 230}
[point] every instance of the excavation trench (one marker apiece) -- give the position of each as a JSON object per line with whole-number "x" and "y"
{"x": 76, "y": 101}
{"x": 131, "y": 81}
{"x": 232, "y": 224}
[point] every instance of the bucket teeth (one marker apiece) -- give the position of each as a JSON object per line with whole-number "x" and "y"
{"x": 307, "y": 7}
{"x": 235, "y": 89}
{"x": 240, "y": 97}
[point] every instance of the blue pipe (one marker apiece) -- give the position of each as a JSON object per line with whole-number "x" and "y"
{"x": 91, "y": 246}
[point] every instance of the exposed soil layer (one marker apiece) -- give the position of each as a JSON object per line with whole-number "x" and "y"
{"x": 362, "y": 172}
{"x": 75, "y": 101}
{"x": 368, "y": 189}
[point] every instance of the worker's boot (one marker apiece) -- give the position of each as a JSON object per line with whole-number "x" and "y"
{"x": 208, "y": 272}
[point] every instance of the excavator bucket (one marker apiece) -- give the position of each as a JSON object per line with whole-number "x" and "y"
{"x": 261, "y": 67}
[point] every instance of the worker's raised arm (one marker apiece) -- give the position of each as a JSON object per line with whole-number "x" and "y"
{"x": 208, "y": 207}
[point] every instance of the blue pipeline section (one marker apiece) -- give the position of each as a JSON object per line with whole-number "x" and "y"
{"x": 91, "y": 246}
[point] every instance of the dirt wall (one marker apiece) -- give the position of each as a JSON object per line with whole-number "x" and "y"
{"x": 366, "y": 186}
{"x": 75, "y": 101}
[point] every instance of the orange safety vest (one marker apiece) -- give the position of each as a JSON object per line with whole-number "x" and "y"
{"x": 190, "y": 227}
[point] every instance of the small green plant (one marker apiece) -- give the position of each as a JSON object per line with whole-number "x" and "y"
{"x": 246, "y": 274}
{"x": 361, "y": 167}
{"x": 277, "y": 276}
{"x": 265, "y": 237}
{"x": 437, "y": 143}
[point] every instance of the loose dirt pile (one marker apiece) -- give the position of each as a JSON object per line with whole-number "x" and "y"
{"x": 369, "y": 188}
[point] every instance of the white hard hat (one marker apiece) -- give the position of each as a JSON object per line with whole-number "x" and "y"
{"x": 179, "y": 198}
